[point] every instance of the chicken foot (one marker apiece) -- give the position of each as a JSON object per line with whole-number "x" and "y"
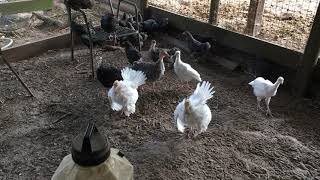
{"x": 267, "y": 100}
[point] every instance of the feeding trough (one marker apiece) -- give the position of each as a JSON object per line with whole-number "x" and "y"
{"x": 92, "y": 158}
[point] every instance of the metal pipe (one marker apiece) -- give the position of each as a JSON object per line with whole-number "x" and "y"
{"x": 118, "y": 10}
{"x": 137, "y": 17}
{"x": 71, "y": 32}
{"x": 15, "y": 73}
{"x": 111, "y": 7}
{"x": 90, "y": 40}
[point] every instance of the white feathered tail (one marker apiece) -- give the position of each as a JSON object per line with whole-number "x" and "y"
{"x": 133, "y": 78}
{"x": 202, "y": 93}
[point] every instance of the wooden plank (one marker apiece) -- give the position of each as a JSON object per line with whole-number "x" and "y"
{"x": 213, "y": 15}
{"x": 20, "y": 6}
{"x": 143, "y": 5}
{"x": 35, "y": 48}
{"x": 254, "y": 18}
{"x": 231, "y": 65}
{"x": 177, "y": 43}
{"x": 309, "y": 59}
{"x": 251, "y": 45}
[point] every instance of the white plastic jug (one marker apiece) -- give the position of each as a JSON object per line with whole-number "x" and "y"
{"x": 93, "y": 159}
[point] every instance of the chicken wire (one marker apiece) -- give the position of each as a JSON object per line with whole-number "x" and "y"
{"x": 284, "y": 22}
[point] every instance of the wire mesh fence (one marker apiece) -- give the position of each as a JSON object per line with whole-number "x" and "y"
{"x": 283, "y": 22}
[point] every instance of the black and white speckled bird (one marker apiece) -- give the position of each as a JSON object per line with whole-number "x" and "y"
{"x": 153, "y": 70}
{"x": 196, "y": 46}
{"x": 131, "y": 52}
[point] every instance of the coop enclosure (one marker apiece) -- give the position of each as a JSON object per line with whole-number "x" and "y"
{"x": 283, "y": 22}
{"x": 277, "y": 30}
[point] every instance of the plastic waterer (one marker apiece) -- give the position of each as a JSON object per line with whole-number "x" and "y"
{"x": 92, "y": 158}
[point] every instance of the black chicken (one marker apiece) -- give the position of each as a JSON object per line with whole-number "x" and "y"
{"x": 153, "y": 70}
{"x": 196, "y": 46}
{"x": 79, "y": 4}
{"x": 109, "y": 23}
{"x": 81, "y": 30}
{"x": 107, "y": 75}
{"x": 131, "y": 52}
{"x": 152, "y": 25}
{"x": 123, "y": 22}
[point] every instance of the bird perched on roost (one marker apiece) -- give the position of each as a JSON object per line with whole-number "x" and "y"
{"x": 265, "y": 89}
{"x": 193, "y": 112}
{"x": 183, "y": 70}
{"x": 124, "y": 94}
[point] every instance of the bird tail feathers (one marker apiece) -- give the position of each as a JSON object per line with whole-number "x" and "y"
{"x": 135, "y": 78}
{"x": 202, "y": 93}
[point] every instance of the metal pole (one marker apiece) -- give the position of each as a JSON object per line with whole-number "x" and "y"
{"x": 137, "y": 17}
{"x": 111, "y": 7}
{"x": 90, "y": 41}
{"x": 71, "y": 31}
{"x": 15, "y": 73}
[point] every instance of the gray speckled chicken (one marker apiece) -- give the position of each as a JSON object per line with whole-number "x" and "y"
{"x": 153, "y": 70}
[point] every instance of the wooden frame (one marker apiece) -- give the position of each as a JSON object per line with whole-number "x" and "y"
{"x": 213, "y": 15}
{"x": 20, "y": 6}
{"x": 35, "y": 48}
{"x": 254, "y": 19}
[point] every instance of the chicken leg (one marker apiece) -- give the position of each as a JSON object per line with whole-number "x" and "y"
{"x": 258, "y": 103}
{"x": 267, "y": 100}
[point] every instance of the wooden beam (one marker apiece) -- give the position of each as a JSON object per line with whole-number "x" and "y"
{"x": 13, "y": 7}
{"x": 35, "y": 48}
{"x": 248, "y": 44}
{"x": 213, "y": 15}
{"x": 309, "y": 59}
{"x": 143, "y": 5}
{"x": 254, "y": 18}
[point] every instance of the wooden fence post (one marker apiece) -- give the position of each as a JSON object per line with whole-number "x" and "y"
{"x": 143, "y": 4}
{"x": 309, "y": 58}
{"x": 254, "y": 18}
{"x": 213, "y": 14}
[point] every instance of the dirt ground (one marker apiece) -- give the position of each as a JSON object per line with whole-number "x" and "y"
{"x": 240, "y": 143}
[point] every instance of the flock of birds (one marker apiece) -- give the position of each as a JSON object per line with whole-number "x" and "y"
{"x": 122, "y": 85}
{"x": 191, "y": 113}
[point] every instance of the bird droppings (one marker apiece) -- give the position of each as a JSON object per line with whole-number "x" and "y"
{"x": 240, "y": 142}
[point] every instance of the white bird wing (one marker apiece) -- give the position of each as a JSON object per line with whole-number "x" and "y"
{"x": 261, "y": 86}
{"x": 202, "y": 93}
{"x": 185, "y": 69}
{"x": 204, "y": 116}
{"x": 131, "y": 95}
{"x": 179, "y": 116}
{"x": 116, "y": 102}
{"x": 133, "y": 78}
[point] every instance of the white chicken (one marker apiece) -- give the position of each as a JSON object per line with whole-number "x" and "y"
{"x": 184, "y": 71}
{"x": 124, "y": 94}
{"x": 265, "y": 89}
{"x": 194, "y": 113}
